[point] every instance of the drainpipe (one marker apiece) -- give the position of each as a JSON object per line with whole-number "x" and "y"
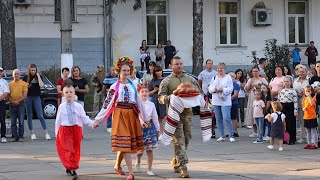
{"x": 107, "y": 27}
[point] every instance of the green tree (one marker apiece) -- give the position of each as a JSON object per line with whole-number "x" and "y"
{"x": 275, "y": 54}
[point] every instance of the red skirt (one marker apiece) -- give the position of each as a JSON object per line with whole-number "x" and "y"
{"x": 68, "y": 143}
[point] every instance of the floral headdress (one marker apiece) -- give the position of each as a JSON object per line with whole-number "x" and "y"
{"x": 125, "y": 60}
{"x": 142, "y": 85}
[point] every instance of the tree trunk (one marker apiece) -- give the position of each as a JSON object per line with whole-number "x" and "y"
{"x": 197, "y": 51}
{"x": 8, "y": 42}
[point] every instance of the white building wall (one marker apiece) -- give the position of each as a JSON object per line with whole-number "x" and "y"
{"x": 37, "y": 21}
{"x": 129, "y": 30}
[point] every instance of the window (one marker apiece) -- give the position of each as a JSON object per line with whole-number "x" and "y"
{"x": 156, "y": 21}
{"x": 228, "y": 23}
{"x": 57, "y": 10}
{"x": 297, "y": 21}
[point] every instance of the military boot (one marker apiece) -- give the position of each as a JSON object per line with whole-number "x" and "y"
{"x": 184, "y": 172}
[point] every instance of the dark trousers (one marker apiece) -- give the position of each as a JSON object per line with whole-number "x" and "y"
{"x": 17, "y": 112}
{"x": 288, "y": 110}
{"x": 3, "y": 118}
{"x": 241, "y": 107}
{"x": 311, "y": 61}
{"x": 167, "y": 61}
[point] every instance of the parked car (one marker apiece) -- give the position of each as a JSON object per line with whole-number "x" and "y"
{"x": 167, "y": 72}
{"x": 49, "y": 96}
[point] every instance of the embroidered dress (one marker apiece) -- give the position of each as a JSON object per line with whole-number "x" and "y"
{"x": 126, "y": 108}
{"x": 150, "y": 139}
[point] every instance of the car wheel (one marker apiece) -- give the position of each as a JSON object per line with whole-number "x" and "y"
{"x": 50, "y": 109}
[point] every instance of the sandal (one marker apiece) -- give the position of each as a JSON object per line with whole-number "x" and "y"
{"x": 130, "y": 177}
{"x": 119, "y": 171}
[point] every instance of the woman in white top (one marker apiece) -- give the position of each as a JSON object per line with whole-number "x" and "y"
{"x": 221, "y": 87}
{"x": 240, "y": 79}
{"x": 159, "y": 52}
{"x": 126, "y": 107}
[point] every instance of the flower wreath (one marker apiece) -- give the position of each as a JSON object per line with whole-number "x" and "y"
{"x": 125, "y": 60}
{"x": 142, "y": 85}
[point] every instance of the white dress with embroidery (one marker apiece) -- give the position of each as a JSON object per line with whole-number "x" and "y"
{"x": 126, "y": 94}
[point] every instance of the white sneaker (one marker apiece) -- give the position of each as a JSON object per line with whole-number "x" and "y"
{"x": 221, "y": 139}
{"x": 267, "y": 138}
{"x": 232, "y": 140}
{"x": 253, "y": 135}
{"x": 270, "y": 147}
{"x": 249, "y": 127}
{"x": 300, "y": 141}
{"x": 280, "y": 149}
{"x": 33, "y": 137}
{"x": 150, "y": 173}
{"x": 257, "y": 142}
{"x": 3, "y": 140}
{"x": 48, "y": 137}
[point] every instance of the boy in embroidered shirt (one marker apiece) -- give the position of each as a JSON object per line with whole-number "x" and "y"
{"x": 68, "y": 129}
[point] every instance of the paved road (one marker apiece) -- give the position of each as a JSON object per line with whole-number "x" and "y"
{"x": 33, "y": 160}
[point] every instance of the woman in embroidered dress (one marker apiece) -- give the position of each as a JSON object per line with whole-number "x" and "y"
{"x": 253, "y": 83}
{"x": 126, "y": 107}
{"x": 150, "y": 133}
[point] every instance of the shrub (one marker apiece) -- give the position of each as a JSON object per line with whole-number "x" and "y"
{"x": 275, "y": 54}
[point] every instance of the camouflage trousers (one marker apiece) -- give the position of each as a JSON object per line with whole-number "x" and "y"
{"x": 98, "y": 99}
{"x": 181, "y": 139}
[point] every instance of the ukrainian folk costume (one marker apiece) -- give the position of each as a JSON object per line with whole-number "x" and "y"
{"x": 68, "y": 130}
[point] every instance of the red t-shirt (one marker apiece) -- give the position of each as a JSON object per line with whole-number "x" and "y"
{"x": 61, "y": 83}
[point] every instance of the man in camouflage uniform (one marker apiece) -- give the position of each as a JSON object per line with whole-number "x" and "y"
{"x": 182, "y": 135}
{"x": 97, "y": 82}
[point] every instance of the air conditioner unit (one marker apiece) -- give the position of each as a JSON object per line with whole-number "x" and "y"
{"x": 22, "y": 2}
{"x": 262, "y": 17}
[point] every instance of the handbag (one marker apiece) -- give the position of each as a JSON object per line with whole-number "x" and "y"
{"x": 150, "y": 135}
{"x": 286, "y": 136}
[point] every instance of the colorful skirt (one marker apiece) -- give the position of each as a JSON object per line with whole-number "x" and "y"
{"x": 126, "y": 131}
{"x": 150, "y": 139}
{"x": 68, "y": 143}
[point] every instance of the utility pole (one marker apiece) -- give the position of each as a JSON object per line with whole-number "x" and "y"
{"x": 8, "y": 41}
{"x": 66, "y": 34}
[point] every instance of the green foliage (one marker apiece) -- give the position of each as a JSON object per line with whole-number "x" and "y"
{"x": 275, "y": 54}
{"x": 53, "y": 74}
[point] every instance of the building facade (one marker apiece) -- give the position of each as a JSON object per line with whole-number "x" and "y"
{"x": 230, "y": 33}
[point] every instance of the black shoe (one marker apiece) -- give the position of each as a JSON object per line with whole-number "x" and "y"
{"x": 74, "y": 174}
{"x": 213, "y": 136}
{"x": 235, "y": 134}
{"x": 68, "y": 172}
{"x": 227, "y": 135}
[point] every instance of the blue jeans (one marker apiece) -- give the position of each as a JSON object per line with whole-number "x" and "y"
{"x": 17, "y": 112}
{"x": 223, "y": 114}
{"x": 36, "y": 102}
{"x": 268, "y": 125}
{"x": 260, "y": 125}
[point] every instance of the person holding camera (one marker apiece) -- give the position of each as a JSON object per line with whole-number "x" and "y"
{"x": 97, "y": 82}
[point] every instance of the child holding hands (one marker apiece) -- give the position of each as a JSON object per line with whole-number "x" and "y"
{"x": 150, "y": 129}
{"x": 310, "y": 118}
{"x": 277, "y": 118}
{"x": 68, "y": 129}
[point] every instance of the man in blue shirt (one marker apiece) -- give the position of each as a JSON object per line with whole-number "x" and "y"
{"x": 296, "y": 55}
